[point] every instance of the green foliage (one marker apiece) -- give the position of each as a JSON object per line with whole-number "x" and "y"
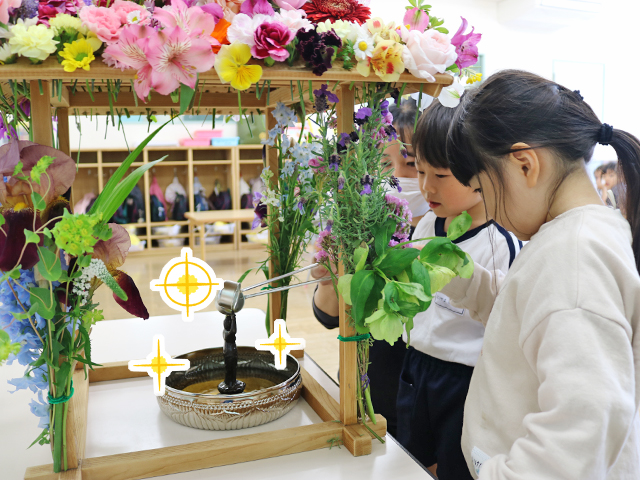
{"x": 31, "y": 237}
{"x": 6, "y": 347}
{"x": 49, "y": 265}
{"x": 40, "y": 168}
{"x": 74, "y": 233}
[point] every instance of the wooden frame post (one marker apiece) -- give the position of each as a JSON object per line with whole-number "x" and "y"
{"x": 41, "y": 112}
{"x": 348, "y": 350}
{"x": 275, "y": 299}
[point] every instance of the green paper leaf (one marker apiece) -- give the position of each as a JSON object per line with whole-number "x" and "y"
{"x": 49, "y": 265}
{"x": 459, "y": 226}
{"x": 344, "y": 287}
{"x": 31, "y": 237}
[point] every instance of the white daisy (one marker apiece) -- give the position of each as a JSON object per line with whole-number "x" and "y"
{"x": 5, "y": 54}
{"x": 363, "y": 47}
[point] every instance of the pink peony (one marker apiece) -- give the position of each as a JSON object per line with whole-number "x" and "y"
{"x": 416, "y": 19}
{"x": 427, "y": 53}
{"x": 104, "y": 22}
{"x": 290, "y": 4}
{"x": 466, "y": 46}
{"x": 124, "y": 7}
{"x": 270, "y": 41}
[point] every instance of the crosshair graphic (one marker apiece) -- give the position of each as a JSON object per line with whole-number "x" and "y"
{"x": 157, "y": 365}
{"x": 187, "y": 289}
{"x": 281, "y": 344}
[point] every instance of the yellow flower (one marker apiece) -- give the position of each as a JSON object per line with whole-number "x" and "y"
{"x": 35, "y": 42}
{"x": 92, "y": 39}
{"x": 386, "y": 61}
{"x": 232, "y": 68}
{"x": 65, "y": 21}
{"x": 473, "y": 78}
{"x": 381, "y": 31}
{"x": 78, "y": 54}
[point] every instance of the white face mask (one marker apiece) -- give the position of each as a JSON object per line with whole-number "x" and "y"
{"x": 412, "y": 194}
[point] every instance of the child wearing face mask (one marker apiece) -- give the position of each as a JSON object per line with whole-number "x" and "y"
{"x": 445, "y": 340}
{"x": 401, "y": 156}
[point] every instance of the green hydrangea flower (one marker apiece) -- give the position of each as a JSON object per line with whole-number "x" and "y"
{"x": 74, "y": 233}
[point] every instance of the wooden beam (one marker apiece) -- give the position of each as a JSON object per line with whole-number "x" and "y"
{"x": 318, "y": 398}
{"x": 208, "y": 454}
{"x": 64, "y": 144}
{"x": 127, "y": 100}
{"x": 75, "y": 474}
{"x": 113, "y": 371}
{"x": 62, "y": 100}
{"x": 348, "y": 350}
{"x": 77, "y": 419}
{"x": 357, "y": 440}
{"x": 275, "y": 299}
{"x": 41, "y": 113}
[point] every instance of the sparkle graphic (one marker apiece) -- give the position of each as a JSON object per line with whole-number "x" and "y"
{"x": 159, "y": 365}
{"x": 281, "y": 344}
{"x": 187, "y": 284}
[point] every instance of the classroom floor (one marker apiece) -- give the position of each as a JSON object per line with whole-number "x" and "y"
{"x": 321, "y": 344}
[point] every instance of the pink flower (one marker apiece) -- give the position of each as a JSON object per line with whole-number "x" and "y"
{"x": 294, "y": 19}
{"x": 427, "y": 53}
{"x": 466, "y": 46}
{"x": 123, "y": 7}
{"x": 214, "y": 10}
{"x": 129, "y": 52}
{"x": 176, "y": 57}
{"x": 243, "y": 27}
{"x": 290, "y": 4}
{"x": 254, "y": 7}
{"x": 230, "y": 8}
{"x": 5, "y": 5}
{"x": 416, "y": 19}
{"x": 48, "y": 9}
{"x": 104, "y": 22}
{"x": 192, "y": 20}
{"x": 270, "y": 41}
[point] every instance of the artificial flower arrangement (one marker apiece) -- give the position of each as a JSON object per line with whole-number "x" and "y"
{"x": 170, "y": 43}
{"x": 51, "y": 263}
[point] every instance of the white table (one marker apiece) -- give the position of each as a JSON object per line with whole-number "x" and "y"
{"x": 124, "y": 415}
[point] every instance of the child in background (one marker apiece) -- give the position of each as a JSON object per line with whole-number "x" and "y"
{"x": 445, "y": 341}
{"x": 556, "y": 390}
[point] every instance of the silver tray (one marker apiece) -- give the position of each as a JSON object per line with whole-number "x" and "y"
{"x": 230, "y": 412}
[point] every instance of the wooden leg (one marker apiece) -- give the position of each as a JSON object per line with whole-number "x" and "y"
{"x": 357, "y": 440}
{"x": 192, "y": 236}
{"x": 275, "y": 299}
{"x": 41, "y": 112}
{"x": 203, "y": 247}
{"x": 64, "y": 144}
{"x": 77, "y": 420}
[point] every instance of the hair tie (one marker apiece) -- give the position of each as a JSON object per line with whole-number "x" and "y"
{"x": 577, "y": 92}
{"x": 606, "y": 134}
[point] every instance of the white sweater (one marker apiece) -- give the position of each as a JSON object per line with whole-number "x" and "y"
{"x": 555, "y": 393}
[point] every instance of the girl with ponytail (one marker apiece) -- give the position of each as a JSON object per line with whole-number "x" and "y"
{"x": 556, "y": 390}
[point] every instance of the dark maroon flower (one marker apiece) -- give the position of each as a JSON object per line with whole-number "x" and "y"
{"x": 318, "y": 49}
{"x": 12, "y": 239}
{"x": 133, "y": 304}
{"x": 324, "y": 91}
{"x": 367, "y": 182}
{"x": 334, "y": 162}
{"x": 393, "y": 181}
{"x": 261, "y": 215}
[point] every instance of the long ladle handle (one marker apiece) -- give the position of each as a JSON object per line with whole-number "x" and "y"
{"x": 278, "y": 278}
{"x": 287, "y": 287}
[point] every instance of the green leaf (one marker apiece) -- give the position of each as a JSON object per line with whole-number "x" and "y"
{"x": 44, "y": 301}
{"x": 40, "y": 168}
{"x": 15, "y": 274}
{"x": 361, "y": 285}
{"x": 7, "y": 347}
{"x": 408, "y": 326}
{"x": 459, "y": 226}
{"x": 382, "y": 235}
{"x": 375, "y": 296}
{"x": 31, "y": 237}
{"x": 102, "y": 231}
{"x": 442, "y": 30}
{"x": 46, "y": 232}
{"x": 344, "y": 287}
{"x": 439, "y": 276}
{"x": 360, "y": 257}
{"x": 415, "y": 290}
{"x": 244, "y": 275}
{"x": 186, "y": 95}
{"x": 2, "y": 220}
{"x": 49, "y": 265}
{"x": 431, "y": 250}
{"x": 453, "y": 68}
{"x": 467, "y": 267}
{"x": 395, "y": 261}
{"x": 420, "y": 275}
{"x": 38, "y": 202}
{"x": 83, "y": 261}
{"x": 109, "y": 188}
{"x": 390, "y": 295}
{"x": 385, "y": 326}
{"x": 18, "y": 169}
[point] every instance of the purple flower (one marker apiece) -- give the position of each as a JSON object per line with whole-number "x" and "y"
{"x": 362, "y": 115}
{"x": 301, "y": 204}
{"x": 334, "y": 162}
{"x": 354, "y": 136}
{"x": 25, "y": 106}
{"x": 318, "y": 49}
{"x": 28, "y": 9}
{"x": 324, "y": 91}
{"x": 257, "y": 196}
{"x": 393, "y": 181}
{"x": 392, "y": 134}
{"x": 261, "y": 215}
{"x": 466, "y": 46}
{"x": 253, "y": 7}
{"x": 329, "y": 226}
{"x": 364, "y": 379}
{"x": 366, "y": 182}
{"x": 345, "y": 139}
{"x": 7, "y": 131}
{"x": 341, "y": 181}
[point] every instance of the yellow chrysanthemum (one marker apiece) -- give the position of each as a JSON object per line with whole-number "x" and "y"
{"x": 92, "y": 39}
{"x": 78, "y": 54}
{"x": 231, "y": 65}
{"x": 386, "y": 61}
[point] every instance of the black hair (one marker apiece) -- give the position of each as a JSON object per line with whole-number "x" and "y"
{"x": 404, "y": 116}
{"x": 514, "y": 106}
{"x": 431, "y": 135}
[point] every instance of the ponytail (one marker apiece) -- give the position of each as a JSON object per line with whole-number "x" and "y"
{"x": 627, "y": 148}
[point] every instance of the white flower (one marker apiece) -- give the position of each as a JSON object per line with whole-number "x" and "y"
{"x": 243, "y": 28}
{"x": 35, "y": 42}
{"x": 5, "y": 54}
{"x": 342, "y": 28}
{"x": 450, "y": 96}
{"x": 6, "y": 32}
{"x": 294, "y": 19}
{"x": 363, "y": 46}
{"x": 134, "y": 17}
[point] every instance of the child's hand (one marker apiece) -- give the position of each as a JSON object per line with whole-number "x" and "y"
{"x": 320, "y": 271}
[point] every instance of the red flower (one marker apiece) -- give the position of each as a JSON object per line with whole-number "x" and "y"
{"x": 347, "y": 10}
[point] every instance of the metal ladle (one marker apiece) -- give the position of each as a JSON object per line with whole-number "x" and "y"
{"x": 231, "y": 298}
